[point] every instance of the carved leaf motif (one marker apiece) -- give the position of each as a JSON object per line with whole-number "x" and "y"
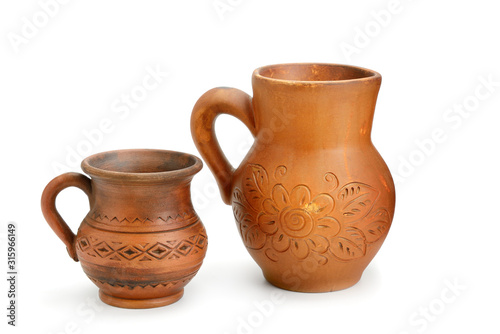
{"x": 254, "y": 238}
{"x": 356, "y": 200}
{"x": 244, "y": 224}
{"x": 238, "y": 196}
{"x": 255, "y": 184}
{"x": 239, "y": 211}
{"x": 349, "y": 245}
{"x": 252, "y": 235}
{"x": 378, "y": 225}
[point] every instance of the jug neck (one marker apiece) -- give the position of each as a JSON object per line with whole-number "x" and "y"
{"x": 315, "y": 114}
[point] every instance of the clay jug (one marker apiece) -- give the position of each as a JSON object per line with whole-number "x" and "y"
{"x": 313, "y": 200}
{"x": 141, "y": 241}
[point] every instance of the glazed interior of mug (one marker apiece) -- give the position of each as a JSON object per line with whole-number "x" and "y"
{"x": 140, "y": 161}
{"x": 314, "y": 72}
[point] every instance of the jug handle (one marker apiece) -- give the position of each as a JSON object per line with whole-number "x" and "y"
{"x": 52, "y": 216}
{"x": 230, "y": 101}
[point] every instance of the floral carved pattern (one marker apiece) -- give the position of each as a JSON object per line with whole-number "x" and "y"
{"x": 341, "y": 222}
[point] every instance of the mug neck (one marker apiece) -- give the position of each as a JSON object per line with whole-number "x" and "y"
{"x": 123, "y": 203}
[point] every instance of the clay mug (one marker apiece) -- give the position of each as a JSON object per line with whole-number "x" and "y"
{"x": 141, "y": 241}
{"x": 313, "y": 200}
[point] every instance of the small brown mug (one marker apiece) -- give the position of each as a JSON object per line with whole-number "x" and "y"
{"x": 141, "y": 241}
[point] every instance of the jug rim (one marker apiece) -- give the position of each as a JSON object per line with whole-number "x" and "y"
{"x": 142, "y": 165}
{"x": 327, "y": 73}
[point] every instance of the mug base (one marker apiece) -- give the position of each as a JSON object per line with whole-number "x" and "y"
{"x": 140, "y": 303}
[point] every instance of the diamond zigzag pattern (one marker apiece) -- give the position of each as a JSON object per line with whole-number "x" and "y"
{"x": 116, "y": 251}
{"x": 104, "y": 218}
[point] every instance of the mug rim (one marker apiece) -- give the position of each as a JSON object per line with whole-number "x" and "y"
{"x": 365, "y": 74}
{"x": 88, "y": 166}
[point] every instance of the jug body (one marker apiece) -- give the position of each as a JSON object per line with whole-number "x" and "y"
{"x": 313, "y": 199}
{"x": 313, "y": 222}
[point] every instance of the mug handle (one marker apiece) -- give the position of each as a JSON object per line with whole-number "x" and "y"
{"x": 230, "y": 101}
{"x": 53, "y": 218}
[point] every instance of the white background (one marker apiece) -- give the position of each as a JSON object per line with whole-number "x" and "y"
{"x": 65, "y": 77}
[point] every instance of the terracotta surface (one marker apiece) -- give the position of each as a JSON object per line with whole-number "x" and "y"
{"x": 313, "y": 200}
{"x": 142, "y": 241}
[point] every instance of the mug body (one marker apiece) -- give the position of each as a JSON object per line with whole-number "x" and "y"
{"x": 142, "y": 241}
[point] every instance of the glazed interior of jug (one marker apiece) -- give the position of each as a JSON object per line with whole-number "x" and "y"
{"x": 314, "y": 72}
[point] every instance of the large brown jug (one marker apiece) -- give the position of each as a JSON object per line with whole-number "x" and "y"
{"x": 313, "y": 199}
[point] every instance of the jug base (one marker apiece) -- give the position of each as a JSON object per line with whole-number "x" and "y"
{"x": 140, "y": 303}
{"x": 299, "y": 285}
